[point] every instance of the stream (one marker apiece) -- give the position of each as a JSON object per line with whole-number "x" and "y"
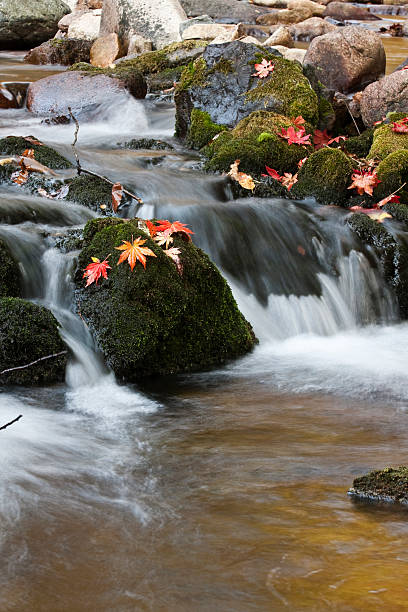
{"x": 219, "y": 491}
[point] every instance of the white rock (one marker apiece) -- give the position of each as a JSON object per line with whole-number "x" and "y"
{"x": 281, "y": 36}
{"x": 291, "y": 54}
{"x": 207, "y": 30}
{"x": 86, "y": 27}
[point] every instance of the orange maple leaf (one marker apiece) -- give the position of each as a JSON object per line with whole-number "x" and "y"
{"x": 134, "y": 251}
{"x": 364, "y": 182}
{"x": 175, "y": 227}
{"x": 95, "y": 270}
{"x": 263, "y": 69}
{"x": 288, "y": 180}
{"x": 245, "y": 180}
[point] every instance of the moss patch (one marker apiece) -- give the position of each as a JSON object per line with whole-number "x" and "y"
{"x": 147, "y": 143}
{"x": 202, "y": 129}
{"x": 393, "y": 172}
{"x": 154, "y": 321}
{"x": 389, "y": 484}
{"x": 92, "y": 192}
{"x": 15, "y": 145}
{"x": 325, "y": 175}
{"x": 360, "y": 145}
{"x": 385, "y": 141}
{"x": 22, "y": 344}
{"x": 10, "y": 275}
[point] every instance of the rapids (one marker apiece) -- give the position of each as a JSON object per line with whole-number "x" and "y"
{"x": 224, "y": 490}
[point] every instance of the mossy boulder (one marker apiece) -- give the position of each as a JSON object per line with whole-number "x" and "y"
{"x": 147, "y": 143}
{"x": 155, "y": 320}
{"x": 325, "y": 175}
{"x": 385, "y": 141}
{"x": 202, "y": 129}
{"x": 91, "y": 192}
{"x": 393, "y": 173}
{"x": 29, "y": 332}
{"x": 222, "y": 84}
{"x": 388, "y": 485}
{"x": 392, "y": 253}
{"x": 15, "y": 145}
{"x": 254, "y": 141}
{"x": 10, "y": 275}
{"x": 360, "y": 145}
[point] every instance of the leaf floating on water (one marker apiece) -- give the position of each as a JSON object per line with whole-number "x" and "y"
{"x": 95, "y": 270}
{"x": 134, "y": 251}
{"x": 245, "y": 180}
{"x": 117, "y": 194}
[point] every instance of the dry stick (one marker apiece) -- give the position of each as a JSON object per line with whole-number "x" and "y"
{"x": 354, "y": 121}
{"x": 28, "y": 365}
{"x": 83, "y": 170}
{"x": 11, "y": 422}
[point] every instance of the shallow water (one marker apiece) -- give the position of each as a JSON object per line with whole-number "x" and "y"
{"x": 225, "y": 490}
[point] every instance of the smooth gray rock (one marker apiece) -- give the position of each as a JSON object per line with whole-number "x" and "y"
{"x": 27, "y": 23}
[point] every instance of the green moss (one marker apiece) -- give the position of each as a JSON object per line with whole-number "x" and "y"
{"x": 224, "y": 65}
{"x": 393, "y": 172}
{"x": 385, "y": 141}
{"x": 325, "y": 175}
{"x": 15, "y": 145}
{"x": 164, "y": 79}
{"x": 148, "y": 143}
{"x": 154, "y": 320}
{"x": 10, "y": 275}
{"x": 202, "y": 129}
{"x": 92, "y": 192}
{"x": 326, "y": 113}
{"x": 21, "y": 344}
{"x": 247, "y": 142}
{"x": 360, "y": 145}
{"x": 389, "y": 484}
{"x": 394, "y": 116}
{"x": 287, "y": 84}
{"x": 193, "y": 75}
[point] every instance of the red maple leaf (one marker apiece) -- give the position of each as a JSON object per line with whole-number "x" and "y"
{"x": 263, "y": 69}
{"x": 293, "y": 136}
{"x": 400, "y": 127}
{"x": 273, "y": 173}
{"x": 174, "y": 227}
{"x": 298, "y": 121}
{"x": 320, "y": 139}
{"x": 364, "y": 181}
{"x": 391, "y": 198}
{"x": 95, "y": 270}
{"x": 152, "y": 228}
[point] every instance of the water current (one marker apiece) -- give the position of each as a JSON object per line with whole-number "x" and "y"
{"x": 221, "y": 491}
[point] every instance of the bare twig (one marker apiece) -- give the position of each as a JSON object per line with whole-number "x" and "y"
{"x": 354, "y": 121}
{"x": 11, "y": 422}
{"x": 81, "y": 170}
{"x": 28, "y": 365}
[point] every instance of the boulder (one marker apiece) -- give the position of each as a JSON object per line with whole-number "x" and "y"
{"x": 138, "y": 45}
{"x": 86, "y": 26}
{"x": 281, "y": 36}
{"x": 342, "y": 11}
{"x": 325, "y": 175}
{"x": 347, "y": 58}
{"x": 84, "y": 93}
{"x": 24, "y": 344}
{"x": 64, "y": 51}
{"x": 24, "y": 23}
{"x": 105, "y": 50}
{"x": 158, "y": 320}
{"x": 386, "y": 95}
{"x": 222, "y": 84}
{"x": 285, "y": 16}
{"x": 66, "y": 21}
{"x": 10, "y": 274}
{"x": 207, "y": 31}
{"x": 159, "y": 21}
{"x": 232, "y": 11}
{"x": 388, "y": 485}
{"x": 311, "y": 28}
{"x": 202, "y": 19}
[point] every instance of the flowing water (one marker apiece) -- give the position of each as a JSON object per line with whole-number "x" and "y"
{"x": 220, "y": 491}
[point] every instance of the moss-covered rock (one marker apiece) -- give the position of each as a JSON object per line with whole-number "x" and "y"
{"x": 15, "y": 145}
{"x": 325, "y": 175}
{"x": 391, "y": 252}
{"x": 164, "y": 79}
{"x": 10, "y": 275}
{"x": 154, "y": 320}
{"x": 388, "y": 485}
{"x": 360, "y": 145}
{"x": 393, "y": 172}
{"x": 92, "y": 192}
{"x": 29, "y": 332}
{"x": 202, "y": 129}
{"x": 147, "y": 143}
{"x": 255, "y": 143}
{"x": 385, "y": 141}
{"x": 327, "y": 116}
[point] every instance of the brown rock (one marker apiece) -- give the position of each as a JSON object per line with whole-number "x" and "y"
{"x": 285, "y": 16}
{"x": 281, "y": 36}
{"x": 64, "y": 51}
{"x": 311, "y": 28}
{"x": 105, "y": 50}
{"x": 316, "y": 9}
{"x": 386, "y": 95}
{"x": 347, "y": 59}
{"x": 343, "y": 12}
{"x": 7, "y": 99}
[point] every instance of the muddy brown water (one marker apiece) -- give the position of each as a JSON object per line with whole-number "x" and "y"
{"x": 224, "y": 491}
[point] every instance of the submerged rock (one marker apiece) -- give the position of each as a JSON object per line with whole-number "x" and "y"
{"x": 147, "y": 143}
{"x": 155, "y": 320}
{"x": 29, "y": 332}
{"x": 388, "y": 485}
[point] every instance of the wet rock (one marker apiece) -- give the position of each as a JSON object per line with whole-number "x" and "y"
{"x": 84, "y": 93}
{"x": 91, "y": 192}
{"x": 148, "y": 143}
{"x": 60, "y": 51}
{"x": 311, "y": 28}
{"x": 24, "y": 23}
{"x": 19, "y": 91}
{"x": 23, "y": 344}
{"x": 386, "y": 95}
{"x": 10, "y": 274}
{"x": 7, "y": 99}
{"x": 347, "y": 59}
{"x": 105, "y": 50}
{"x": 221, "y": 83}
{"x": 15, "y": 145}
{"x": 232, "y": 11}
{"x": 86, "y": 26}
{"x": 155, "y": 321}
{"x": 388, "y": 485}
{"x": 344, "y": 12}
{"x": 281, "y": 36}
{"x": 158, "y": 22}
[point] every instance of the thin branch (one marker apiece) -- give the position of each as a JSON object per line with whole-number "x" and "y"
{"x": 28, "y": 365}
{"x": 11, "y": 422}
{"x": 81, "y": 170}
{"x": 354, "y": 121}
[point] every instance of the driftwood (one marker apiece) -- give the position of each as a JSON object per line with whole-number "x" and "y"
{"x": 82, "y": 170}
{"x": 11, "y": 422}
{"x": 28, "y": 365}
